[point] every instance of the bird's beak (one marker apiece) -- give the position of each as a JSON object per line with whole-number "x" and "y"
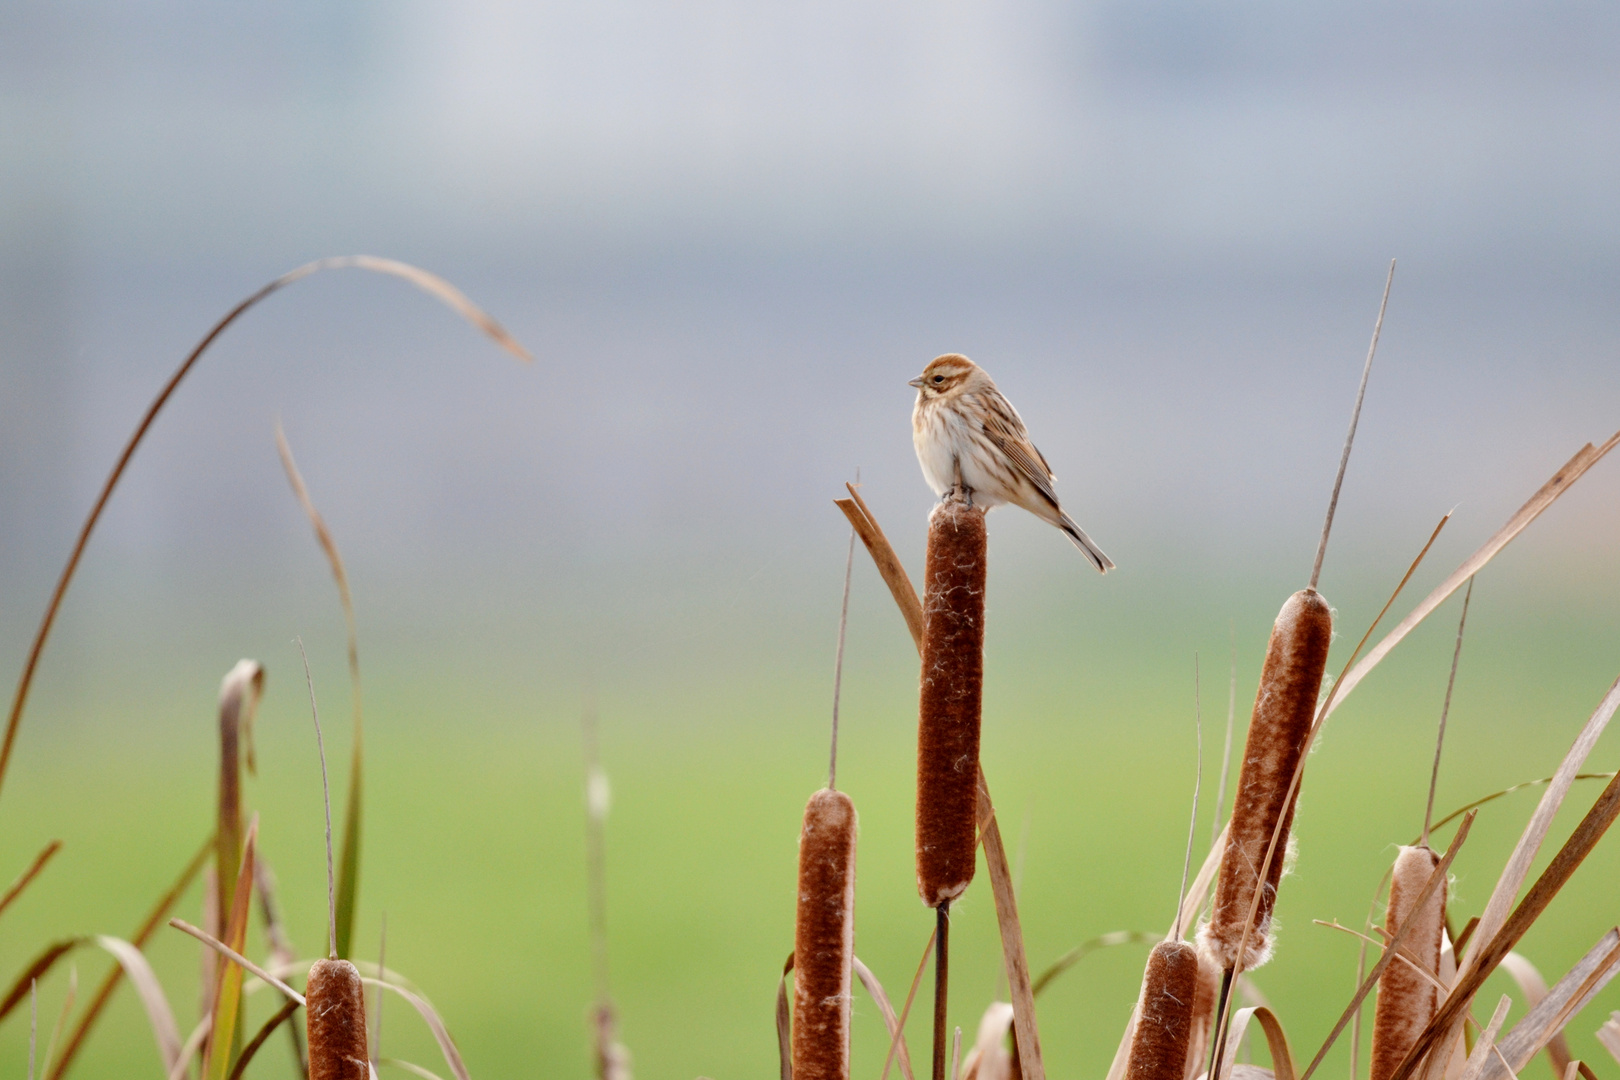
{"x": 917, "y": 382}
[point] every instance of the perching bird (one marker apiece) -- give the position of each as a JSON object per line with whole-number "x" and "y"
{"x": 969, "y": 437}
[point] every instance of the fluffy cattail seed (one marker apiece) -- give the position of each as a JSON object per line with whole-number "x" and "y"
{"x": 948, "y": 714}
{"x": 824, "y": 939}
{"x": 1284, "y": 708}
{"x": 1165, "y": 1018}
{"x": 1406, "y": 1000}
{"x": 335, "y": 1008}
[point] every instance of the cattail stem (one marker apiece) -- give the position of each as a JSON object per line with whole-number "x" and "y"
{"x": 1218, "y": 1046}
{"x": 942, "y": 955}
{"x": 1165, "y": 1016}
{"x": 824, "y": 938}
{"x": 335, "y": 1011}
{"x": 949, "y": 702}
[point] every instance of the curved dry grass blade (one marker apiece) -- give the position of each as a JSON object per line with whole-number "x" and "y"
{"x": 269, "y": 1028}
{"x": 888, "y": 563}
{"x": 237, "y": 958}
{"x": 348, "y": 884}
{"x": 1534, "y": 988}
{"x": 142, "y": 935}
{"x": 1406, "y": 961}
{"x": 432, "y": 284}
{"x": 441, "y": 1034}
{"x": 414, "y": 1070}
{"x": 905, "y": 1011}
{"x": 1393, "y": 948}
{"x": 145, "y": 981}
{"x": 1016, "y": 961}
{"x": 1566, "y": 998}
{"x": 1487, "y": 1041}
{"x": 1549, "y": 492}
{"x": 1086, "y": 948}
{"x": 36, "y": 970}
{"x": 1460, "y": 811}
{"x": 1282, "y": 1062}
{"x": 784, "y": 1022}
{"x": 875, "y": 988}
{"x": 29, "y": 874}
{"x": 193, "y": 1046}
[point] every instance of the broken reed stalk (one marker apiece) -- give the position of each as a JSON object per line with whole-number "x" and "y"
{"x": 1163, "y": 1035}
{"x": 949, "y": 702}
{"x": 1284, "y": 707}
{"x": 431, "y": 284}
{"x": 824, "y": 938}
{"x": 1407, "y": 1000}
{"x": 348, "y": 884}
{"x": 239, "y": 694}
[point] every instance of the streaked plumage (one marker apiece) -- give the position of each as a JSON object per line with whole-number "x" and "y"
{"x": 969, "y": 436}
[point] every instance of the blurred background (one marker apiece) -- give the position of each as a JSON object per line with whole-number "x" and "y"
{"x": 729, "y": 233}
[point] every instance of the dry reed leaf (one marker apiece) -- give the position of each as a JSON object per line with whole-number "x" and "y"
{"x": 824, "y": 938}
{"x": 238, "y": 959}
{"x": 1609, "y": 1035}
{"x": 1462, "y": 939}
{"x": 1282, "y": 1061}
{"x": 1563, "y": 1002}
{"x": 784, "y": 1023}
{"x": 988, "y": 1059}
{"x": 335, "y": 1015}
{"x": 441, "y": 1034}
{"x": 1487, "y": 1041}
{"x": 145, "y": 981}
{"x": 1534, "y": 989}
{"x": 252, "y": 1048}
{"x": 1159, "y": 1046}
{"x": 431, "y": 284}
{"x": 413, "y": 1069}
{"x": 896, "y": 1036}
{"x": 887, "y": 562}
{"x": 223, "y": 1039}
{"x": 949, "y": 701}
{"x": 905, "y": 1011}
{"x": 36, "y": 969}
{"x": 348, "y": 884}
{"x": 28, "y": 875}
{"x": 1407, "y": 993}
{"x": 239, "y": 694}
{"x": 143, "y": 934}
{"x": 1561, "y": 481}
{"x": 1435, "y": 881}
{"x": 1016, "y": 962}
{"x": 1479, "y": 965}
{"x": 192, "y": 1047}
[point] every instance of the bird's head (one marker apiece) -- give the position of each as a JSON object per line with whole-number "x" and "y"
{"x": 943, "y": 375}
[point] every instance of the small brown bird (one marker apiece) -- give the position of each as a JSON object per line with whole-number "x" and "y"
{"x": 970, "y": 438}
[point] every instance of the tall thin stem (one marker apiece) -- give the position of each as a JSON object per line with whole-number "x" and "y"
{"x": 942, "y": 954}
{"x": 1445, "y": 710}
{"x": 326, "y": 794}
{"x": 1198, "y": 783}
{"x": 838, "y": 665}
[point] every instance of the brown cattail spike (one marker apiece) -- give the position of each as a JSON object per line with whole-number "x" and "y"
{"x": 948, "y": 715}
{"x": 1283, "y": 711}
{"x": 335, "y": 1007}
{"x": 824, "y": 939}
{"x": 1406, "y": 1000}
{"x": 1203, "y": 1014}
{"x": 1165, "y": 1021}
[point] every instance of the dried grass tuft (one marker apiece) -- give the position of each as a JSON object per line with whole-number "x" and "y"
{"x": 824, "y": 938}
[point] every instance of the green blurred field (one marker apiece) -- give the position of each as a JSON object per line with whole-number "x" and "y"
{"x": 474, "y": 841}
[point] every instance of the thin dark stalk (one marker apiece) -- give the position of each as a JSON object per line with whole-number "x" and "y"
{"x": 838, "y": 664}
{"x": 33, "y": 1023}
{"x": 269, "y": 1029}
{"x": 30, "y": 874}
{"x": 1355, "y": 417}
{"x": 1445, "y": 711}
{"x": 326, "y": 792}
{"x": 1217, "y": 1042}
{"x": 1198, "y": 781}
{"x": 942, "y": 954}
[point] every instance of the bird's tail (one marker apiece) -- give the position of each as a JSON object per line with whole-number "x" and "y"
{"x": 1089, "y": 548}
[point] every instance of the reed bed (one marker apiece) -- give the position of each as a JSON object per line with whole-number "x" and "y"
{"x": 1196, "y": 1007}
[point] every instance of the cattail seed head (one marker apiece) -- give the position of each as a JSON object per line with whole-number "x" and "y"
{"x": 335, "y": 1009}
{"x": 824, "y": 938}
{"x": 1284, "y": 709}
{"x": 1406, "y": 1000}
{"x": 948, "y": 713}
{"x": 1165, "y": 1017}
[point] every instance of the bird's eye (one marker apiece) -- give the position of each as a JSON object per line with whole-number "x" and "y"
{"x": 939, "y": 378}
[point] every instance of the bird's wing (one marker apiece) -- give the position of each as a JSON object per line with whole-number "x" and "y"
{"x": 1006, "y": 430}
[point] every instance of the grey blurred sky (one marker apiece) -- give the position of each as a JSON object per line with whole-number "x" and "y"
{"x": 730, "y": 232}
